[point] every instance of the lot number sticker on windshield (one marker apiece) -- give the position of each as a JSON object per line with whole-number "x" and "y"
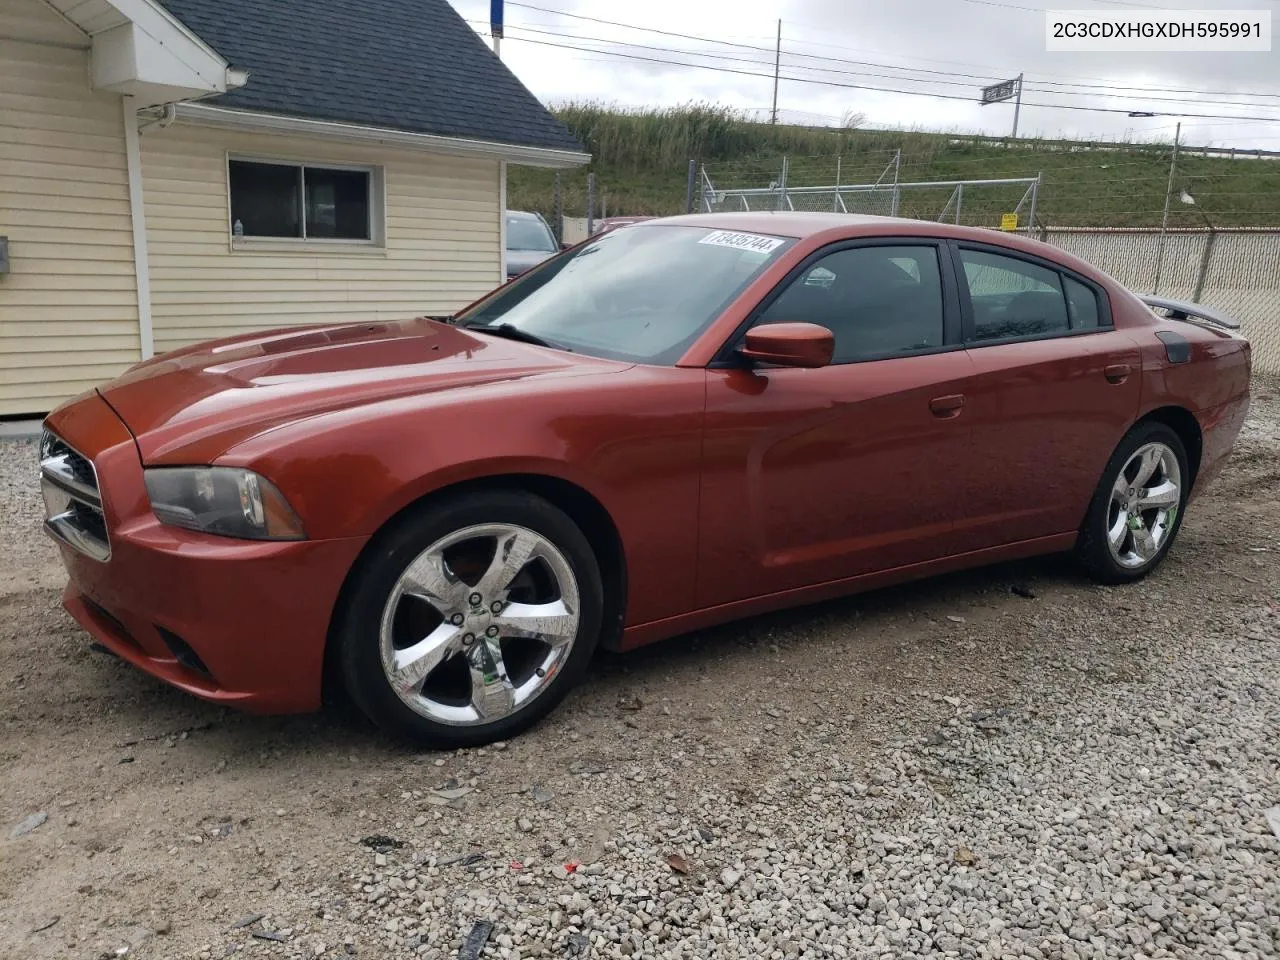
{"x": 742, "y": 241}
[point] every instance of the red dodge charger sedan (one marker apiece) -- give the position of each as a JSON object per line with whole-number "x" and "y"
{"x": 665, "y": 427}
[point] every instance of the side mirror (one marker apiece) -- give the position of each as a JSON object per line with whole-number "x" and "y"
{"x": 565, "y": 245}
{"x": 789, "y": 345}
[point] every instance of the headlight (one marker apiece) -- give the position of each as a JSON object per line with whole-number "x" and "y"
{"x": 226, "y": 501}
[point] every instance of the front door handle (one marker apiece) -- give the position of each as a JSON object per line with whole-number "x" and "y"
{"x": 1117, "y": 372}
{"x": 948, "y": 406}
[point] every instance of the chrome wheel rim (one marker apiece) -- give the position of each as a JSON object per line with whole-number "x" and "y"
{"x": 1144, "y": 505}
{"x": 479, "y": 624}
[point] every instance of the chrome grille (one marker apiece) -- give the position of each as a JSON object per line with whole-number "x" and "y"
{"x": 72, "y": 500}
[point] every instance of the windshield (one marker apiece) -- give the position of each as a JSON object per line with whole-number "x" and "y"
{"x": 529, "y": 233}
{"x": 642, "y": 294}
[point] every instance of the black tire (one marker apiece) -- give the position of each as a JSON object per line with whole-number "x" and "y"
{"x": 1093, "y": 551}
{"x": 390, "y": 554}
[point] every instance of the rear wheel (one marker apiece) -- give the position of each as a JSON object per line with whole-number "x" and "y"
{"x": 472, "y": 620}
{"x": 1136, "y": 511}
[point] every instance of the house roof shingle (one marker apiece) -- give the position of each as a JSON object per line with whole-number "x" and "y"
{"x": 411, "y": 65}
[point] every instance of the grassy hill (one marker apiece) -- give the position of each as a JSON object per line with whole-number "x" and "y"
{"x": 641, "y": 159}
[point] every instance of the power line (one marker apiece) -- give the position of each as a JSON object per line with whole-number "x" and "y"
{"x": 1135, "y": 3}
{"x": 865, "y": 63}
{"x": 1104, "y": 82}
{"x": 860, "y": 73}
{"x": 1007, "y": 6}
{"x": 632, "y": 26}
{"x": 870, "y": 87}
{"x": 1208, "y": 93}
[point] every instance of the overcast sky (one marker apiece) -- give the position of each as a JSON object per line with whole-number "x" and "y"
{"x": 965, "y": 42}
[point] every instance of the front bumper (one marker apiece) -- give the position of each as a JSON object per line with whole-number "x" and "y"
{"x": 231, "y": 621}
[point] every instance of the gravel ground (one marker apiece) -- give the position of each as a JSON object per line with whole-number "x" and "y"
{"x": 1007, "y": 762}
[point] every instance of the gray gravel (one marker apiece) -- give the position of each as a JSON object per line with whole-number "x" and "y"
{"x": 29, "y": 561}
{"x": 945, "y": 770}
{"x": 1113, "y": 805}
{"x": 1128, "y": 822}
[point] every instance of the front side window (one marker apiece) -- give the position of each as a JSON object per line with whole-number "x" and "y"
{"x": 643, "y": 294}
{"x": 529, "y": 233}
{"x": 877, "y": 301}
{"x": 299, "y": 201}
{"x": 1012, "y": 297}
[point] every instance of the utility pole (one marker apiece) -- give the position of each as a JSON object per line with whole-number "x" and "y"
{"x": 777, "y": 63}
{"x": 1017, "y": 108}
{"x": 557, "y": 216}
{"x": 1168, "y": 196}
{"x": 591, "y": 204}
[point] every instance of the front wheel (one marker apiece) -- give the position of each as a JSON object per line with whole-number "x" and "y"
{"x": 471, "y": 619}
{"x": 1136, "y": 511}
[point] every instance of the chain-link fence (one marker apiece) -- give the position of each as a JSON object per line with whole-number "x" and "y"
{"x": 1234, "y": 270}
{"x": 574, "y": 204}
{"x": 871, "y": 183}
{"x": 1088, "y": 185}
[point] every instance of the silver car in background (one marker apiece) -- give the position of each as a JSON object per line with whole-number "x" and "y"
{"x": 529, "y": 241}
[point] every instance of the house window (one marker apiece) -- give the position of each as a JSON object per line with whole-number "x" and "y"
{"x": 294, "y": 201}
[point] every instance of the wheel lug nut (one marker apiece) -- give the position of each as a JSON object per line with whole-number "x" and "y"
{"x": 468, "y": 639}
{"x": 491, "y": 632}
{"x": 496, "y": 606}
{"x": 457, "y": 619}
{"x": 476, "y": 599}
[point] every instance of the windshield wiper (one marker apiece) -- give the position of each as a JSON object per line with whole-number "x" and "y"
{"x": 512, "y": 332}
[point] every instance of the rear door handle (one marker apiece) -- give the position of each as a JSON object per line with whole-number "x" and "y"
{"x": 948, "y": 406}
{"x": 1117, "y": 372}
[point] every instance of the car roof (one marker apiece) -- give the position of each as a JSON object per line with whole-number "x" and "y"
{"x": 522, "y": 215}
{"x": 782, "y": 223}
{"x": 802, "y": 224}
{"x": 831, "y": 227}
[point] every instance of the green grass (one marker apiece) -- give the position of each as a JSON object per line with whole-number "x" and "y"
{"x": 640, "y": 159}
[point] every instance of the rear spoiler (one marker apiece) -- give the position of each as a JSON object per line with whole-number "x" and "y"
{"x": 1194, "y": 312}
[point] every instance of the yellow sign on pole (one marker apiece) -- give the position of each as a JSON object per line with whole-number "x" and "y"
{"x": 1008, "y": 221}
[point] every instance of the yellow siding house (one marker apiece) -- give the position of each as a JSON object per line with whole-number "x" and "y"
{"x": 183, "y": 170}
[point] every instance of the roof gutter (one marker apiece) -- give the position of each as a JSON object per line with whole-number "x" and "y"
{"x": 251, "y": 121}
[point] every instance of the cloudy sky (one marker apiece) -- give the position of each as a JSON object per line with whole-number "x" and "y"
{"x": 941, "y": 47}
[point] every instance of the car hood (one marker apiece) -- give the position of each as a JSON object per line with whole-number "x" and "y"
{"x": 191, "y": 405}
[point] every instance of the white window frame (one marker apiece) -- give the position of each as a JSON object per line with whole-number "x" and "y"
{"x": 377, "y": 206}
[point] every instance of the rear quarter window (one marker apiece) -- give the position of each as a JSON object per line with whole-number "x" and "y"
{"x": 1082, "y": 302}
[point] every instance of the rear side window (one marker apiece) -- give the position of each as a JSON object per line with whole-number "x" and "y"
{"x": 1083, "y": 304}
{"x": 1014, "y": 298}
{"x": 877, "y": 301}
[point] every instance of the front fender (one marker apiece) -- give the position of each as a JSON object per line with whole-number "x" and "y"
{"x": 483, "y": 468}
{"x": 632, "y": 440}
{"x": 347, "y": 472}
